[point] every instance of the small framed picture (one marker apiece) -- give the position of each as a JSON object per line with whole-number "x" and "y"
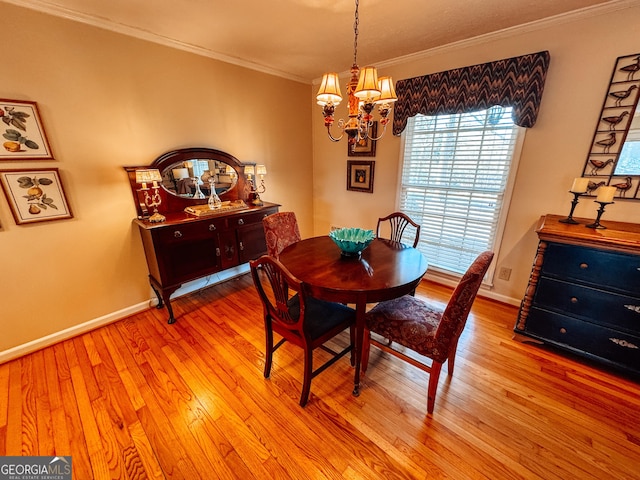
{"x": 365, "y": 147}
{"x": 360, "y": 175}
{"x": 23, "y": 136}
{"x": 35, "y": 195}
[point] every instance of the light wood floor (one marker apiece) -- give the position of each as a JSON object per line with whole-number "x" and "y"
{"x": 143, "y": 399}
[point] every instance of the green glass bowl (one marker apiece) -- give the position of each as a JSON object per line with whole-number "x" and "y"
{"x": 352, "y": 241}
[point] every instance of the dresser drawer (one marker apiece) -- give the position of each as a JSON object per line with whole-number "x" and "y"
{"x": 600, "y": 268}
{"x": 595, "y": 305}
{"x": 603, "y": 342}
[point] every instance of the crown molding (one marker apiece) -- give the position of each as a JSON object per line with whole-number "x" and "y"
{"x": 106, "y": 24}
{"x": 536, "y": 25}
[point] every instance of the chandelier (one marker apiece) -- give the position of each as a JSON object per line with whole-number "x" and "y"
{"x": 365, "y": 90}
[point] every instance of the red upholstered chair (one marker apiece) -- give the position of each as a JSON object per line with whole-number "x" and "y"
{"x": 280, "y": 230}
{"x": 298, "y": 318}
{"x": 398, "y": 223}
{"x": 424, "y": 328}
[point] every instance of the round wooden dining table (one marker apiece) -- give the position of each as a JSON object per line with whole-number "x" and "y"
{"x": 385, "y": 270}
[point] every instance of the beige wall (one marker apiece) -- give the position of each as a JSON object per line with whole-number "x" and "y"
{"x": 107, "y": 100}
{"x": 583, "y": 52}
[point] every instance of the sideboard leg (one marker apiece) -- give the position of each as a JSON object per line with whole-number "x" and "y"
{"x": 158, "y": 296}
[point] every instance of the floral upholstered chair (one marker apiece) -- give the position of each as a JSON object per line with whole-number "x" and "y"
{"x": 280, "y": 230}
{"x": 424, "y": 328}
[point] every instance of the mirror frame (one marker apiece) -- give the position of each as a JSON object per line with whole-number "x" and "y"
{"x": 611, "y": 132}
{"x": 173, "y": 203}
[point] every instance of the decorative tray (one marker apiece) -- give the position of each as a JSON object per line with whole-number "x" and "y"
{"x": 204, "y": 210}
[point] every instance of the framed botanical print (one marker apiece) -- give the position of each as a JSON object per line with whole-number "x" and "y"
{"x": 23, "y": 136}
{"x": 360, "y": 175}
{"x": 35, "y": 195}
{"x": 365, "y": 147}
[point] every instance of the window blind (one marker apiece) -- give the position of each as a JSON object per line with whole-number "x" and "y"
{"x": 455, "y": 173}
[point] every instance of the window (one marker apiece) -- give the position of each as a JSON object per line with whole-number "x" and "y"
{"x": 455, "y": 179}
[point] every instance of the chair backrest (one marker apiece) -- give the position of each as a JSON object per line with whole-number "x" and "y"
{"x": 280, "y": 231}
{"x": 455, "y": 314}
{"x": 398, "y": 222}
{"x": 279, "y": 300}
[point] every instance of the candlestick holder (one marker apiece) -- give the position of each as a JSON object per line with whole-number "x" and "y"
{"x": 597, "y": 224}
{"x": 574, "y": 202}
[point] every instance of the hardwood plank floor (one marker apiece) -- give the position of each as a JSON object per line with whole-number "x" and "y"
{"x": 143, "y": 399}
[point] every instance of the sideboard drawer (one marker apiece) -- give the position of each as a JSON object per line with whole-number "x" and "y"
{"x": 615, "y": 346}
{"x": 189, "y": 231}
{"x": 596, "y": 267}
{"x": 592, "y": 304}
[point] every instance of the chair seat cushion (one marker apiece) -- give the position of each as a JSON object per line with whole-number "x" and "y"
{"x": 322, "y": 316}
{"x": 409, "y": 321}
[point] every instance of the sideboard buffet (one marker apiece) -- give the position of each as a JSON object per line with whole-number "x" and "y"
{"x": 186, "y": 246}
{"x": 583, "y": 294}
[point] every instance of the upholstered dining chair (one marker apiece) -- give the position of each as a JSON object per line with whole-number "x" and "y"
{"x": 398, "y": 223}
{"x": 426, "y": 329}
{"x": 298, "y": 318}
{"x": 280, "y": 231}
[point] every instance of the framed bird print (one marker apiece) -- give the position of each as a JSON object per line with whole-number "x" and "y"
{"x": 614, "y": 155}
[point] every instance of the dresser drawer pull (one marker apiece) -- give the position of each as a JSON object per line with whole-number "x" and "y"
{"x": 563, "y": 330}
{"x": 623, "y": 343}
{"x": 177, "y": 234}
{"x": 584, "y": 266}
{"x": 241, "y": 246}
{"x": 241, "y": 221}
{"x": 633, "y": 308}
{"x": 217, "y": 251}
{"x": 574, "y": 300}
{"x": 212, "y": 227}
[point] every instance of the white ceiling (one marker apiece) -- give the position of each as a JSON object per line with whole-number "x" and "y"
{"x": 301, "y": 39}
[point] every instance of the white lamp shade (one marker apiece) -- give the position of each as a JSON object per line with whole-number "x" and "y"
{"x": 368, "y": 84}
{"x": 180, "y": 173}
{"x": 261, "y": 170}
{"x": 329, "y": 91}
{"x": 229, "y": 170}
{"x": 148, "y": 175}
{"x": 387, "y": 91}
{"x": 250, "y": 170}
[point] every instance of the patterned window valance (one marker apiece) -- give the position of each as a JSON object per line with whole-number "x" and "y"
{"x": 517, "y": 82}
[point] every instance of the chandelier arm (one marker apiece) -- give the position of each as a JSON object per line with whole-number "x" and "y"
{"x": 331, "y": 137}
{"x": 384, "y": 129}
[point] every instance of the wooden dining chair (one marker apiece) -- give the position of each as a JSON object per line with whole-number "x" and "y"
{"x": 398, "y": 222}
{"x": 427, "y": 329}
{"x": 280, "y": 231}
{"x": 298, "y": 318}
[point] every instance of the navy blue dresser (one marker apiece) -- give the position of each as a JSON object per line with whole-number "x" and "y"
{"x": 584, "y": 292}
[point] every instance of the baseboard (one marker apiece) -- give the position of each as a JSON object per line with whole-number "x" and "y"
{"x": 39, "y": 343}
{"x": 485, "y": 290}
{"x": 70, "y": 332}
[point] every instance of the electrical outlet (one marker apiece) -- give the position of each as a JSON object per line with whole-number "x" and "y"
{"x": 504, "y": 273}
{"x": 333, "y": 227}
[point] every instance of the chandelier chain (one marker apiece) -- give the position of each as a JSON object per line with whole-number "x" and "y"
{"x": 355, "y": 34}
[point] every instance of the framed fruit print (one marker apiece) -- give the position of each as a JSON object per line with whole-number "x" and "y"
{"x": 23, "y": 136}
{"x": 360, "y": 175}
{"x": 35, "y": 195}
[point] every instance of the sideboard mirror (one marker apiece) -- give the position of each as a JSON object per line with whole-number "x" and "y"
{"x": 185, "y": 178}
{"x": 614, "y": 156}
